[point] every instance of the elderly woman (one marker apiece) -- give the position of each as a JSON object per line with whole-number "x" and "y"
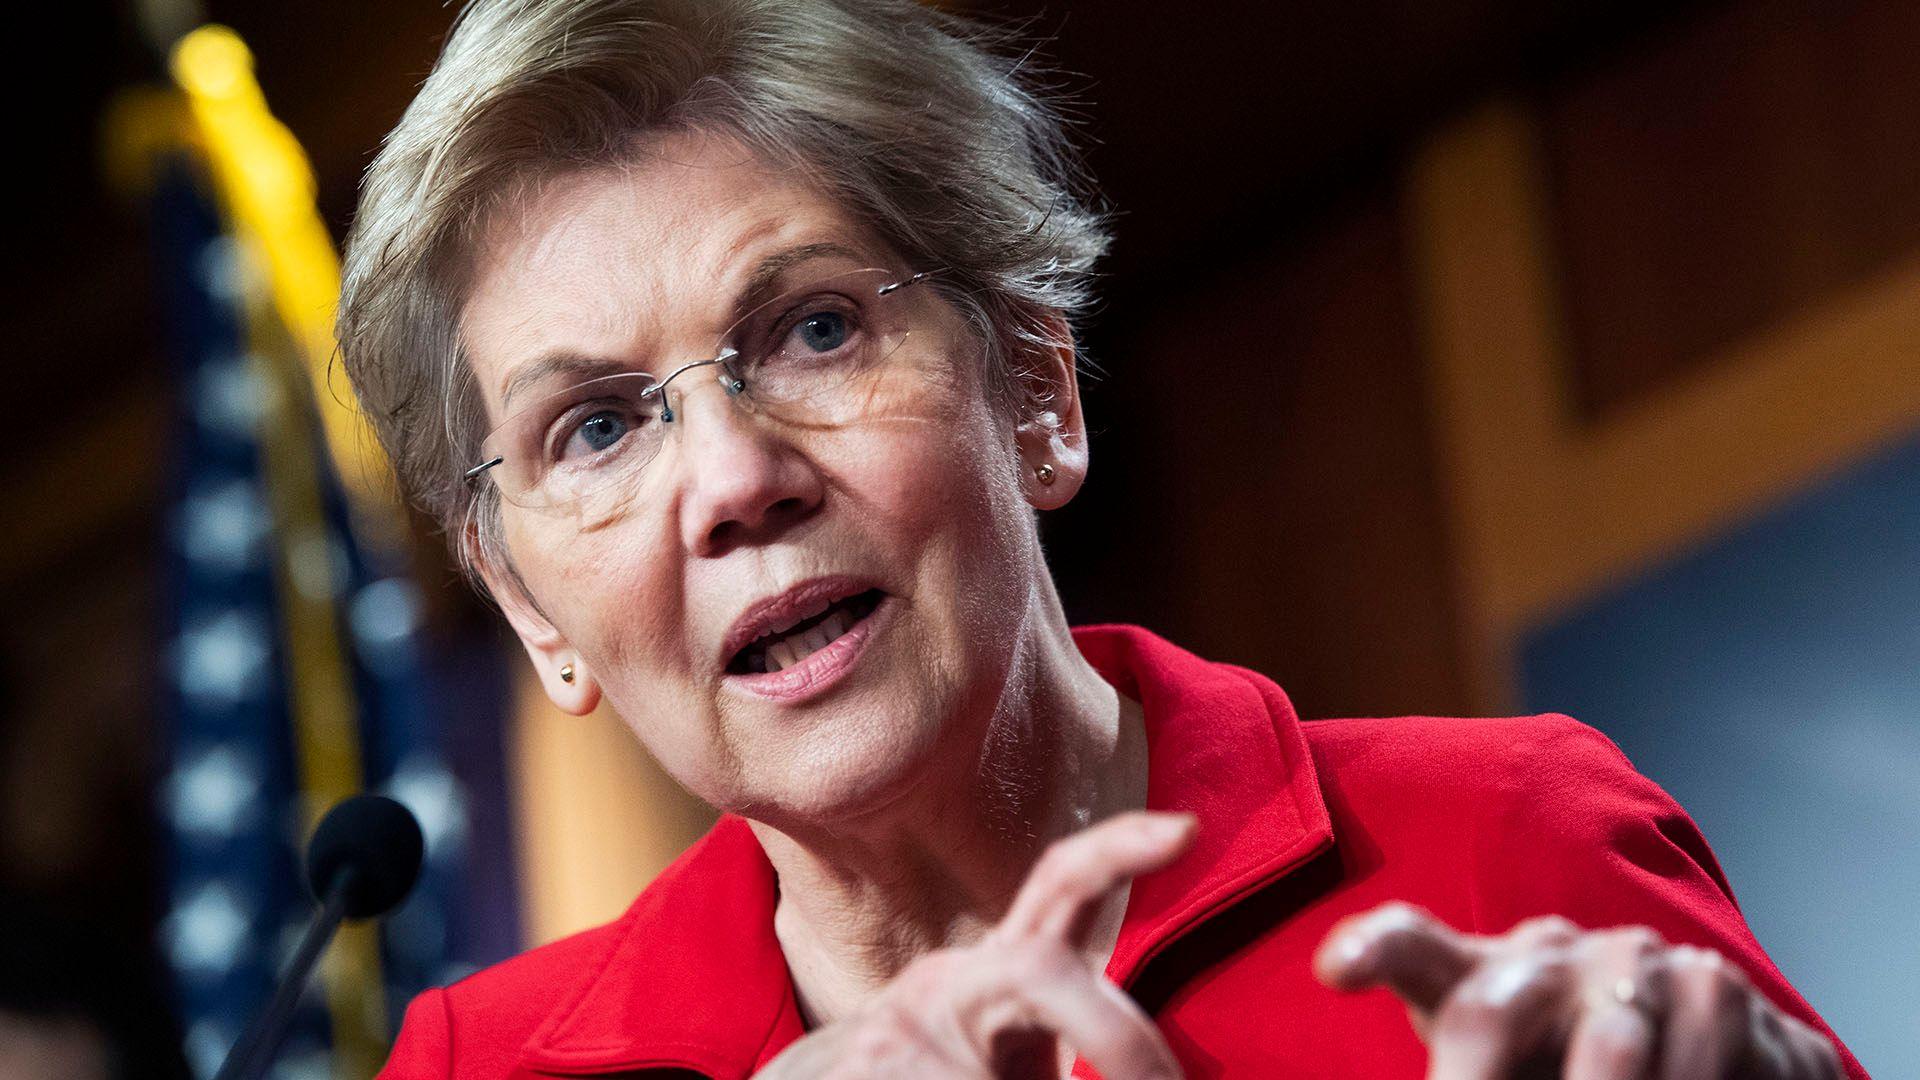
{"x": 730, "y": 342}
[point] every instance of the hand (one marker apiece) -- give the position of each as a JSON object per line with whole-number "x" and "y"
{"x": 1616, "y": 1004}
{"x": 998, "y": 1008}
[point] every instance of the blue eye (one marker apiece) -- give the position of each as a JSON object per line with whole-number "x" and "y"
{"x": 594, "y": 424}
{"x": 602, "y": 430}
{"x": 823, "y": 331}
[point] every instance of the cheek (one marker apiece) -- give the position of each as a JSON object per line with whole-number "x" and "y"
{"x": 943, "y": 497}
{"x": 612, "y": 603}
{"x": 944, "y": 474}
{"x": 621, "y": 607}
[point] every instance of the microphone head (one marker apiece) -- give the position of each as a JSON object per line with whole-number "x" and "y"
{"x": 377, "y": 842}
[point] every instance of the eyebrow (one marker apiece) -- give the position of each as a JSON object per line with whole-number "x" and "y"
{"x": 760, "y": 283}
{"x": 767, "y": 272}
{"x": 558, "y": 362}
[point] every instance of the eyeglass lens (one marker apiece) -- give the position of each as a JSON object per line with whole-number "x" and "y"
{"x": 804, "y": 357}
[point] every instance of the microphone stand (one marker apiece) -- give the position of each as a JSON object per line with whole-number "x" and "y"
{"x": 270, "y": 1024}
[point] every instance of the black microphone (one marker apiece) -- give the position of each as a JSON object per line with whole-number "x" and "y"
{"x": 361, "y": 862}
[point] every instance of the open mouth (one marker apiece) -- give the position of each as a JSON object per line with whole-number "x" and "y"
{"x": 783, "y": 648}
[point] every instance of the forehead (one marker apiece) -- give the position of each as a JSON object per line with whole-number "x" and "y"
{"x": 621, "y": 260}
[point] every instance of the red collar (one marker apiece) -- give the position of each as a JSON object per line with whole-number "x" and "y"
{"x": 696, "y": 979}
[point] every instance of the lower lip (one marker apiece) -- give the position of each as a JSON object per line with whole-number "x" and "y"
{"x": 820, "y": 672}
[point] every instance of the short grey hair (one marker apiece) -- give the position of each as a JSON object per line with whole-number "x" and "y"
{"x": 925, "y": 127}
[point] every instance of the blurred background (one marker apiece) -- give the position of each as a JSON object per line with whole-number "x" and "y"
{"x": 1508, "y": 357}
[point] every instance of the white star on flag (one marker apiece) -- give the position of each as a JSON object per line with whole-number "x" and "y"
{"x": 222, "y": 659}
{"x": 206, "y": 933}
{"x": 434, "y": 796}
{"x": 222, "y": 528}
{"x": 214, "y": 793}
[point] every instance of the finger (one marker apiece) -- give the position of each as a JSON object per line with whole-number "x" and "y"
{"x": 1499, "y": 1016}
{"x": 1623, "y": 990}
{"x": 1813, "y": 1052}
{"x": 1782, "y": 1046}
{"x": 1400, "y": 947}
{"x": 1707, "y": 1023}
{"x": 1076, "y": 873}
{"x": 1103, "y": 1025}
{"x": 1542, "y": 930}
{"x": 1612, "y": 1041}
{"x": 939, "y": 1006}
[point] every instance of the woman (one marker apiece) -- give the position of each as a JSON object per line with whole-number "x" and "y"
{"x": 730, "y": 342}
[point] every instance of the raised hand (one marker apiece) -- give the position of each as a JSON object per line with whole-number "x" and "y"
{"x": 1550, "y": 999}
{"x": 1000, "y": 1007}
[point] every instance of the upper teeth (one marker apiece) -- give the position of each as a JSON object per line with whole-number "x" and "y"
{"x": 789, "y": 651}
{"x": 808, "y": 612}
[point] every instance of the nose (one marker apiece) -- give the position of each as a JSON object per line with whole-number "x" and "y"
{"x": 743, "y": 483}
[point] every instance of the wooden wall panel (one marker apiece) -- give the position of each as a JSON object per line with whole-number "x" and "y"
{"x": 1290, "y": 496}
{"x": 1710, "y": 183}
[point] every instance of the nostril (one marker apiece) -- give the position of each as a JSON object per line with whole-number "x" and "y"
{"x": 777, "y": 514}
{"x": 750, "y": 502}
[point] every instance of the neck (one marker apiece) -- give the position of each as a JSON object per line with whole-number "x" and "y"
{"x": 938, "y": 868}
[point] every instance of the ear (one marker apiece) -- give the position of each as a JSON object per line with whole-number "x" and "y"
{"x": 546, "y": 647}
{"x": 1051, "y": 431}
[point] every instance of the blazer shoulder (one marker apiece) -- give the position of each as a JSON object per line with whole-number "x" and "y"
{"x": 1542, "y": 784}
{"x": 1548, "y": 767}
{"x": 1468, "y": 757}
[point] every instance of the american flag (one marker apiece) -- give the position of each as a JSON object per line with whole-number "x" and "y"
{"x": 298, "y": 670}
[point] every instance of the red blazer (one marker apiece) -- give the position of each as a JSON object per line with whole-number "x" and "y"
{"x": 1483, "y": 822}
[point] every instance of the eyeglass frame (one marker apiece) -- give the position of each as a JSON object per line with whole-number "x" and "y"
{"x": 728, "y": 380}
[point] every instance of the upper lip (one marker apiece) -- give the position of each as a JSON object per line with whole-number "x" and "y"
{"x": 786, "y": 608}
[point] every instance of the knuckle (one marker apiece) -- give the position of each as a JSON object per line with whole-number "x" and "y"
{"x": 1639, "y": 940}
{"x": 1397, "y": 921}
{"x": 1546, "y": 929}
{"x": 1694, "y": 973}
{"x": 1694, "y": 962}
{"x": 1473, "y": 1010}
{"x": 1690, "y": 959}
{"x": 1608, "y": 946}
{"x": 1554, "y": 963}
{"x": 1730, "y": 984}
{"x": 1396, "y": 914}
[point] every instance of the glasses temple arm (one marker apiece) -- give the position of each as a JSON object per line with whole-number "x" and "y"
{"x": 474, "y": 473}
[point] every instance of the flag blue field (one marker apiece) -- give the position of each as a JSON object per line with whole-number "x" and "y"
{"x": 278, "y": 613}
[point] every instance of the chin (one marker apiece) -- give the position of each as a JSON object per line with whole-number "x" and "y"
{"x": 854, "y": 764}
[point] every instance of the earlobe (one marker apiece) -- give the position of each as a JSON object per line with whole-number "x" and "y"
{"x": 569, "y": 686}
{"x": 565, "y": 677}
